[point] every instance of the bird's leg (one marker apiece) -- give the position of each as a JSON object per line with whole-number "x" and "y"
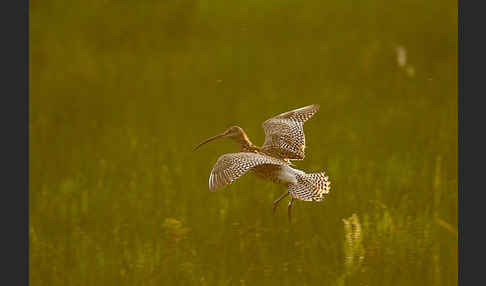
{"x": 275, "y": 203}
{"x": 290, "y": 208}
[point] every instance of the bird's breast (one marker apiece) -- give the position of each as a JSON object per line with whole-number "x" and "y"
{"x": 287, "y": 175}
{"x": 278, "y": 174}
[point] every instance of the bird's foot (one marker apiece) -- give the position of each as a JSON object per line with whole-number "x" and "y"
{"x": 290, "y": 209}
{"x": 277, "y": 201}
{"x": 274, "y": 207}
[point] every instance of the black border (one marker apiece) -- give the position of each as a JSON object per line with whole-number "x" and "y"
{"x": 471, "y": 55}
{"x": 14, "y": 23}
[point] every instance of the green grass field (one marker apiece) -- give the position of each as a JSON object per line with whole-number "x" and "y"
{"x": 121, "y": 91}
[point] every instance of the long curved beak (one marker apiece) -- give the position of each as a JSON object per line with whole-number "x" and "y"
{"x": 208, "y": 140}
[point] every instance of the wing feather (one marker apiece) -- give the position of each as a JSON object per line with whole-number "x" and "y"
{"x": 231, "y": 166}
{"x": 284, "y": 133}
{"x": 310, "y": 187}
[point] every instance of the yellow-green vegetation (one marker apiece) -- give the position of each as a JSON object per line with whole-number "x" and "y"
{"x": 121, "y": 91}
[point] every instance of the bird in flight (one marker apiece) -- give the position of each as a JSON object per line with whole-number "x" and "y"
{"x": 284, "y": 142}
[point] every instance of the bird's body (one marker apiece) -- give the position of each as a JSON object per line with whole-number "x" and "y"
{"x": 279, "y": 174}
{"x": 284, "y": 141}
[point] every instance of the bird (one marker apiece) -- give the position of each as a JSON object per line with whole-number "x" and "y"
{"x": 284, "y": 143}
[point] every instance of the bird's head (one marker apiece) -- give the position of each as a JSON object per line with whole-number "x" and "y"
{"x": 234, "y": 132}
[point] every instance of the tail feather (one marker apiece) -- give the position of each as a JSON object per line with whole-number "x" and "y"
{"x": 310, "y": 187}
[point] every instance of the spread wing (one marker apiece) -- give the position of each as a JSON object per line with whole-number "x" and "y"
{"x": 284, "y": 133}
{"x": 310, "y": 187}
{"x": 231, "y": 166}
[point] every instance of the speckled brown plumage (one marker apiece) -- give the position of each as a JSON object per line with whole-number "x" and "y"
{"x": 230, "y": 167}
{"x": 284, "y": 133}
{"x": 284, "y": 141}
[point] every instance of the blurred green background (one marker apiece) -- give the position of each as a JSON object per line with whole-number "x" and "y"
{"x": 121, "y": 91}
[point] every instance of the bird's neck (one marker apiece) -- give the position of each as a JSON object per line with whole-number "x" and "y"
{"x": 245, "y": 145}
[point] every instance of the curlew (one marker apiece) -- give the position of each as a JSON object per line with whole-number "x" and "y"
{"x": 284, "y": 141}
